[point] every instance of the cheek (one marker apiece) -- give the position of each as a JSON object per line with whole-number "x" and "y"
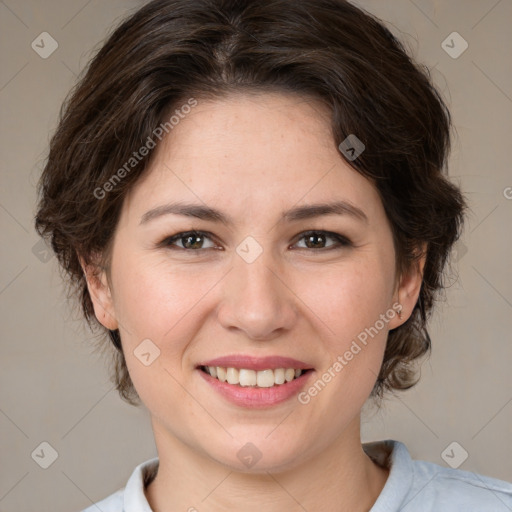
{"x": 154, "y": 295}
{"x": 352, "y": 307}
{"x": 166, "y": 303}
{"x": 353, "y": 296}
{"x": 157, "y": 301}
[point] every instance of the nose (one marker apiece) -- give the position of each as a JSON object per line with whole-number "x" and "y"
{"x": 257, "y": 300}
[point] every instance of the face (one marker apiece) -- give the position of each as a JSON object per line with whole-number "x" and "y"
{"x": 263, "y": 283}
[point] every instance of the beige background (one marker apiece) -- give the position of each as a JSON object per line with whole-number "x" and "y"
{"x": 53, "y": 389}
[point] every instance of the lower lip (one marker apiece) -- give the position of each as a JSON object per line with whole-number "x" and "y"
{"x": 255, "y": 397}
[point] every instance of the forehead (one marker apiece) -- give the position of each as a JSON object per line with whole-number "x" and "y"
{"x": 252, "y": 153}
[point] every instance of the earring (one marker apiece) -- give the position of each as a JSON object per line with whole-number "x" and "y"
{"x": 400, "y": 312}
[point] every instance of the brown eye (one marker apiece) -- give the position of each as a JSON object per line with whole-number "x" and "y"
{"x": 317, "y": 240}
{"x": 190, "y": 240}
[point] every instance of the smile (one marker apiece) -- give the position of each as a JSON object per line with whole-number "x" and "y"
{"x": 243, "y": 377}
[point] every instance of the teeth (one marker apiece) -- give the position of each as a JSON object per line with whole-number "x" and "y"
{"x": 279, "y": 376}
{"x": 261, "y": 379}
{"x": 233, "y": 376}
{"x": 265, "y": 378}
{"x": 247, "y": 378}
{"x": 221, "y": 373}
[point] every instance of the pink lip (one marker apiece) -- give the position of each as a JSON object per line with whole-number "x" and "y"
{"x": 253, "y": 397}
{"x": 256, "y": 363}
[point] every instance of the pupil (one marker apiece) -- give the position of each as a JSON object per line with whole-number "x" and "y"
{"x": 313, "y": 237}
{"x": 195, "y": 241}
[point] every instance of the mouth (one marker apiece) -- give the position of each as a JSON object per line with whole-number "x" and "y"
{"x": 246, "y": 377}
{"x": 255, "y": 382}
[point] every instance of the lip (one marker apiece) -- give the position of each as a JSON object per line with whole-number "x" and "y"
{"x": 256, "y": 363}
{"x": 254, "y": 397}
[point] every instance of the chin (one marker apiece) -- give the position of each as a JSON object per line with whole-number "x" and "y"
{"x": 258, "y": 453}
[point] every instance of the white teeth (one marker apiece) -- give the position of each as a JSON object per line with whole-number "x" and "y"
{"x": 221, "y": 373}
{"x": 247, "y": 377}
{"x": 265, "y": 378}
{"x": 261, "y": 378}
{"x": 279, "y": 376}
{"x": 232, "y": 375}
{"x": 289, "y": 374}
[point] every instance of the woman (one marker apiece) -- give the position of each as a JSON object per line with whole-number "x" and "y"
{"x": 249, "y": 198}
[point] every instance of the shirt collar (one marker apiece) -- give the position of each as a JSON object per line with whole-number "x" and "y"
{"x": 134, "y": 497}
{"x": 393, "y": 454}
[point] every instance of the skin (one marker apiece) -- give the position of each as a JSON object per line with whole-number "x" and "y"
{"x": 253, "y": 157}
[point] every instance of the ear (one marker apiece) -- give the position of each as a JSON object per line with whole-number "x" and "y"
{"x": 101, "y": 295}
{"x": 408, "y": 289}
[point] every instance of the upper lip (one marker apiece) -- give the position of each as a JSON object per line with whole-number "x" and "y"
{"x": 256, "y": 363}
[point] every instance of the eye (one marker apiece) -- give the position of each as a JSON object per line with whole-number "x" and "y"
{"x": 315, "y": 238}
{"x": 192, "y": 240}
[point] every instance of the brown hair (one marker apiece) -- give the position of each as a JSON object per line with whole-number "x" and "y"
{"x": 171, "y": 50}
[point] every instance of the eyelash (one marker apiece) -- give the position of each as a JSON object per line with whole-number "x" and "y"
{"x": 342, "y": 241}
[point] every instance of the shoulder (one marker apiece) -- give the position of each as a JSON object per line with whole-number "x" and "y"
{"x": 421, "y": 486}
{"x": 455, "y": 489}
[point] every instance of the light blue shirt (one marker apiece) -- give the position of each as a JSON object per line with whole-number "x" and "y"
{"x": 412, "y": 486}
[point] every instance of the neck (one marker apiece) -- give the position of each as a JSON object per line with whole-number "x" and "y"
{"x": 340, "y": 478}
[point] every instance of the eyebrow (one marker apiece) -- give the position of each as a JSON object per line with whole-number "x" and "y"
{"x": 207, "y": 213}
